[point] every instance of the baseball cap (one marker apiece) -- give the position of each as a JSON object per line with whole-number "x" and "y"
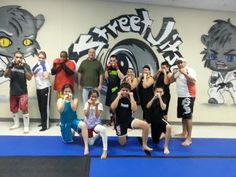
{"x": 180, "y": 59}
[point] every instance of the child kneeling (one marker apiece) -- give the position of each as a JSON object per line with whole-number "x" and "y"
{"x": 69, "y": 122}
{"x": 92, "y": 111}
{"x": 158, "y": 124}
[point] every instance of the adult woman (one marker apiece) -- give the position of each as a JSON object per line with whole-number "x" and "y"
{"x": 42, "y": 72}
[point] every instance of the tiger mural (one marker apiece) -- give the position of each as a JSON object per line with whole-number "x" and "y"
{"x": 18, "y": 32}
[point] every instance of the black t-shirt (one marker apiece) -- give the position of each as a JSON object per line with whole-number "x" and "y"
{"x": 18, "y": 84}
{"x": 156, "y": 112}
{"x": 123, "y": 110}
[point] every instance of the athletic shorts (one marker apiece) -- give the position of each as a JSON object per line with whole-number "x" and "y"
{"x": 17, "y": 102}
{"x": 66, "y": 130}
{"x": 90, "y": 132}
{"x": 157, "y": 128}
{"x": 121, "y": 128}
{"x": 185, "y": 107}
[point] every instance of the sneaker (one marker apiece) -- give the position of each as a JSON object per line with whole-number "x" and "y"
{"x": 14, "y": 127}
{"x": 43, "y": 129}
{"x": 26, "y": 129}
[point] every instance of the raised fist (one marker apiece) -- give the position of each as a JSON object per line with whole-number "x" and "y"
{"x": 10, "y": 65}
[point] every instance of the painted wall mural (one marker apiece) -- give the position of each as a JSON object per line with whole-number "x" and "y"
{"x": 18, "y": 32}
{"x": 220, "y": 58}
{"x": 131, "y": 52}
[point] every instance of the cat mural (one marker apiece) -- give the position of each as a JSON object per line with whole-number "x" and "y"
{"x": 18, "y": 32}
{"x": 220, "y": 57}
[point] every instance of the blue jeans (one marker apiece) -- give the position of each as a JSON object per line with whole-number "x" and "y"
{"x": 85, "y": 93}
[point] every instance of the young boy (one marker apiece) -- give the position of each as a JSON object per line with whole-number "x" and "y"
{"x": 159, "y": 124}
{"x": 124, "y": 105}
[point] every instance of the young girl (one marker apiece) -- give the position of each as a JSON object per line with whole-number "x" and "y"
{"x": 92, "y": 111}
{"x": 67, "y": 107}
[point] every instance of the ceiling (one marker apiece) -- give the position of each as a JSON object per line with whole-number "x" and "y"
{"x": 222, "y": 5}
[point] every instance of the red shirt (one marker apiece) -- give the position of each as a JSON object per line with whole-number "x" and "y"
{"x": 62, "y": 77}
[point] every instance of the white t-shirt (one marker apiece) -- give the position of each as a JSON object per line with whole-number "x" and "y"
{"x": 185, "y": 88}
{"x": 91, "y": 121}
{"x": 40, "y": 81}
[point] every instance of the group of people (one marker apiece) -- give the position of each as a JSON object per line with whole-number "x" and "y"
{"x": 124, "y": 92}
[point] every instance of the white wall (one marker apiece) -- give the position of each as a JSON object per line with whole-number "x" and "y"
{"x": 65, "y": 20}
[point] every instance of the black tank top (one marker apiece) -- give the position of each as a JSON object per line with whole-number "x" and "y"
{"x": 160, "y": 83}
{"x": 145, "y": 94}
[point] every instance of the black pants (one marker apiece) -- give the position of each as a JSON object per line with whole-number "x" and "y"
{"x": 43, "y": 96}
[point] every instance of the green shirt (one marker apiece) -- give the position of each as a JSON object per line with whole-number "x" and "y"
{"x": 90, "y": 71}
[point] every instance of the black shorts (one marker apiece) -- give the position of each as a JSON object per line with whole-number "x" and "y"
{"x": 185, "y": 107}
{"x": 157, "y": 128}
{"x": 121, "y": 128}
{"x": 110, "y": 97}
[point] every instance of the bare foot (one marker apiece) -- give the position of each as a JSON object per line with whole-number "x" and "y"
{"x": 146, "y": 148}
{"x": 166, "y": 150}
{"x": 181, "y": 135}
{"x": 104, "y": 154}
{"x": 187, "y": 142}
{"x": 162, "y": 136}
{"x": 86, "y": 151}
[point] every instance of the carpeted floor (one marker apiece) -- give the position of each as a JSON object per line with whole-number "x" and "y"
{"x": 56, "y": 166}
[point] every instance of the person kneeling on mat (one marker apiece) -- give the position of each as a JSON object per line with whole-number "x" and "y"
{"x": 67, "y": 107}
{"x": 159, "y": 124}
{"x": 92, "y": 111}
{"x": 124, "y": 105}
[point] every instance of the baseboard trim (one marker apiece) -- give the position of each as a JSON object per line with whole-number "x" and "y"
{"x": 106, "y": 121}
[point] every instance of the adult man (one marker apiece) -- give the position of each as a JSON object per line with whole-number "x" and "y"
{"x": 113, "y": 76}
{"x": 185, "y": 78}
{"x": 19, "y": 72}
{"x": 64, "y": 70}
{"x": 90, "y": 74}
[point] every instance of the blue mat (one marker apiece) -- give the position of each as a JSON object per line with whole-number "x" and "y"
{"x": 53, "y": 146}
{"x": 163, "y": 167}
{"x": 199, "y": 147}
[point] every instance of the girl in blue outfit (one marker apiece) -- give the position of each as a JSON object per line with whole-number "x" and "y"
{"x": 67, "y": 107}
